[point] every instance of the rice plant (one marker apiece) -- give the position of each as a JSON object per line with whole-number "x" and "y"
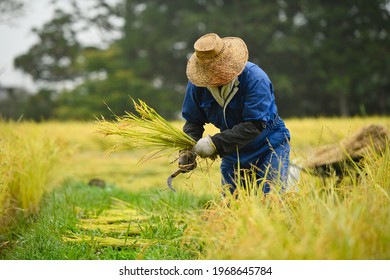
{"x": 28, "y": 162}
{"x": 350, "y": 220}
{"x": 146, "y": 130}
{"x": 322, "y": 220}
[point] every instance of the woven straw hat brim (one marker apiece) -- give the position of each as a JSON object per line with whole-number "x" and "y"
{"x": 221, "y": 70}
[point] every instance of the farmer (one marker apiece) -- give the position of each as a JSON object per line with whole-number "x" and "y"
{"x": 237, "y": 97}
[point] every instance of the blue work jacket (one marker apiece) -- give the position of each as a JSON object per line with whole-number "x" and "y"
{"x": 254, "y": 101}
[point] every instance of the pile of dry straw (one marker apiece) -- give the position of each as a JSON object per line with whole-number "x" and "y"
{"x": 372, "y": 138}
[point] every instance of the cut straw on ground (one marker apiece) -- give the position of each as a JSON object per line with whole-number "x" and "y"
{"x": 146, "y": 130}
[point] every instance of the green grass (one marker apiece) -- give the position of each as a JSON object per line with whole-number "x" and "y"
{"x": 48, "y": 235}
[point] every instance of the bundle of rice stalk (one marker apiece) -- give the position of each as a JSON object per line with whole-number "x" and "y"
{"x": 148, "y": 130}
{"x": 365, "y": 140}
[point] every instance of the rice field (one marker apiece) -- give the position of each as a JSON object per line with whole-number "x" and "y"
{"x": 138, "y": 217}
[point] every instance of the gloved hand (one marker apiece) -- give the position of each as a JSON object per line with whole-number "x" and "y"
{"x": 187, "y": 161}
{"x": 205, "y": 147}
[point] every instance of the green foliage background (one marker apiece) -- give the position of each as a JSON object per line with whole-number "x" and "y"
{"x": 325, "y": 58}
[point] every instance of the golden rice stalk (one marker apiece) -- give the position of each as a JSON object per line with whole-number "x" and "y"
{"x": 108, "y": 241}
{"x": 148, "y": 130}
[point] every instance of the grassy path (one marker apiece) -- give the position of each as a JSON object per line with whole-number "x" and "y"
{"x": 83, "y": 222}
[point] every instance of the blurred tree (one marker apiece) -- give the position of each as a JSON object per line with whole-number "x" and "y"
{"x": 13, "y": 102}
{"x": 346, "y": 48}
{"x": 9, "y": 9}
{"x": 324, "y": 57}
{"x": 103, "y": 18}
{"x": 54, "y": 57}
{"x": 156, "y": 37}
{"x": 159, "y": 35}
{"x": 108, "y": 89}
{"x": 40, "y": 106}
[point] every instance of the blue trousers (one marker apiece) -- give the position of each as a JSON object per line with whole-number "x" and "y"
{"x": 271, "y": 168}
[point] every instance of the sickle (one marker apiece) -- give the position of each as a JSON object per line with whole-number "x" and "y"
{"x": 170, "y": 178}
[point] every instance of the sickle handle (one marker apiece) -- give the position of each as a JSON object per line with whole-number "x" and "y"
{"x": 177, "y": 172}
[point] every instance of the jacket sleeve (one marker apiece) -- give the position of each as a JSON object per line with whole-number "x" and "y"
{"x": 191, "y": 109}
{"x": 192, "y": 113}
{"x": 194, "y": 130}
{"x": 241, "y": 134}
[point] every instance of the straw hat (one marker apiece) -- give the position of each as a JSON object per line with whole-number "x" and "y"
{"x": 216, "y": 61}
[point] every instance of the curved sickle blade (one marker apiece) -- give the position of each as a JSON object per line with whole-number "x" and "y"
{"x": 170, "y": 178}
{"x": 169, "y": 183}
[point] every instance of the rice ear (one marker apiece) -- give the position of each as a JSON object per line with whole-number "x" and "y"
{"x": 146, "y": 130}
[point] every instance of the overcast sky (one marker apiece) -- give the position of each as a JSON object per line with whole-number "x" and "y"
{"x": 16, "y": 39}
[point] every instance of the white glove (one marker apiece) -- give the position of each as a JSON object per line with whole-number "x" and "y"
{"x": 204, "y": 147}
